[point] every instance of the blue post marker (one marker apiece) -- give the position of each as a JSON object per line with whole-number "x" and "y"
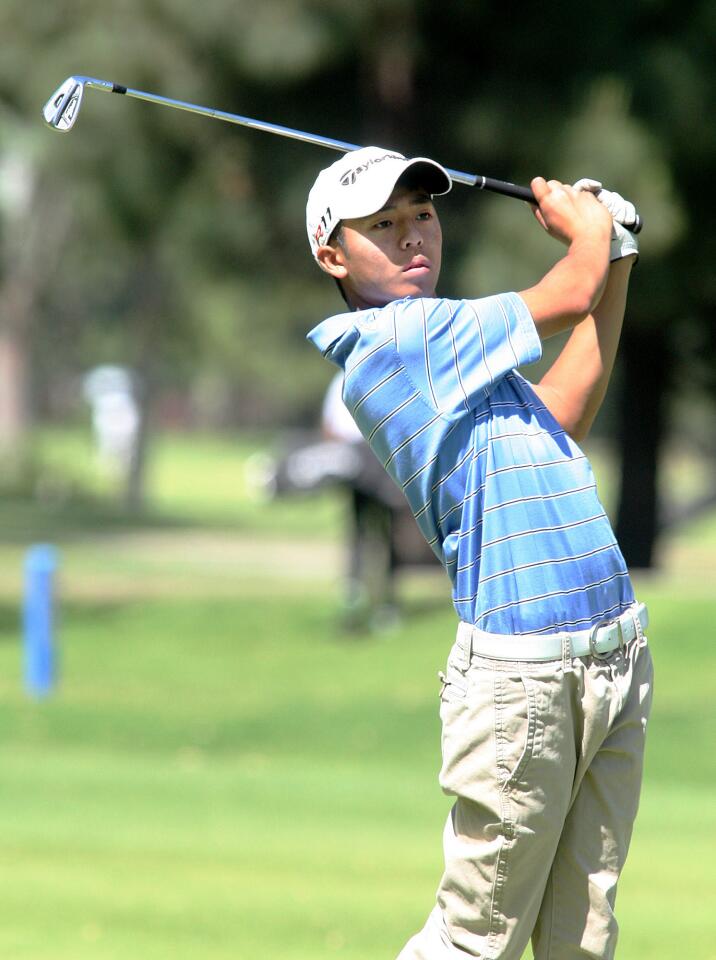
{"x": 40, "y": 565}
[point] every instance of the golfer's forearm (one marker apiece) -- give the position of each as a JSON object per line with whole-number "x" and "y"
{"x": 571, "y": 289}
{"x": 574, "y": 387}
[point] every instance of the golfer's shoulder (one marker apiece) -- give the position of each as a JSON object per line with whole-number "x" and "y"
{"x": 469, "y": 309}
{"x": 454, "y": 323}
{"x": 353, "y": 332}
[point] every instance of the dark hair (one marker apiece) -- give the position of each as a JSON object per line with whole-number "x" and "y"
{"x": 336, "y": 239}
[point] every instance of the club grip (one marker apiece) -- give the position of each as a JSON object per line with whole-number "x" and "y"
{"x": 508, "y": 189}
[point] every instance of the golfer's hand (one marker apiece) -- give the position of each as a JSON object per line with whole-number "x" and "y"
{"x": 623, "y": 243}
{"x": 622, "y": 210}
{"x": 568, "y": 214}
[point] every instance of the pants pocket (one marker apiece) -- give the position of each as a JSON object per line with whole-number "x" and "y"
{"x": 454, "y": 682}
{"x": 515, "y": 724}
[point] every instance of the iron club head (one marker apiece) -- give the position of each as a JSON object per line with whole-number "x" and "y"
{"x": 60, "y": 111}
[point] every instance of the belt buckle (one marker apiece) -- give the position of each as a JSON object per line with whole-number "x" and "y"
{"x": 593, "y": 652}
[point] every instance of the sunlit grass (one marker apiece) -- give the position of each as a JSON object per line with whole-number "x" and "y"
{"x": 236, "y": 777}
{"x": 221, "y": 771}
{"x": 205, "y": 479}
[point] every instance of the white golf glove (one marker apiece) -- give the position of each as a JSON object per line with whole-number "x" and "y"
{"x": 624, "y": 243}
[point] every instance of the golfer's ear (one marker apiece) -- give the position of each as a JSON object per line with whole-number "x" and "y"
{"x": 332, "y": 260}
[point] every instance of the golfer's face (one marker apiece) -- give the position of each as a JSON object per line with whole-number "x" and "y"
{"x": 395, "y": 252}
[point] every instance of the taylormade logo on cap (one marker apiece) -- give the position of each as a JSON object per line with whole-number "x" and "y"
{"x": 359, "y": 184}
{"x": 350, "y": 176}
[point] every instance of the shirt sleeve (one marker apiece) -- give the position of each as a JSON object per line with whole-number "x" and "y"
{"x": 456, "y": 350}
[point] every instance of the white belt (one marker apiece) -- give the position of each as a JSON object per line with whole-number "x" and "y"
{"x": 599, "y": 641}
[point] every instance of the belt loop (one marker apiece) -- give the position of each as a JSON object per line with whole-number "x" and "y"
{"x": 464, "y": 642}
{"x": 567, "y": 666}
{"x": 468, "y": 646}
{"x": 640, "y": 638}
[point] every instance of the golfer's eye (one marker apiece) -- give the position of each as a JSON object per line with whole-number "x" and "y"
{"x": 425, "y": 215}
{"x": 382, "y": 224}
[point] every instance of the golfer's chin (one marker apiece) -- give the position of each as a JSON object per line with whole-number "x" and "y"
{"x": 401, "y": 288}
{"x": 415, "y": 284}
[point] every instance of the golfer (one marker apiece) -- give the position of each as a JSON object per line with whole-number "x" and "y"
{"x": 547, "y": 688}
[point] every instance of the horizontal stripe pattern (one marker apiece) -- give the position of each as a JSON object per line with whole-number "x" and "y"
{"x": 503, "y": 496}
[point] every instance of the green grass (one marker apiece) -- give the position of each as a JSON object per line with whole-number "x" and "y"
{"x": 222, "y": 773}
{"x": 191, "y": 479}
{"x": 233, "y": 777}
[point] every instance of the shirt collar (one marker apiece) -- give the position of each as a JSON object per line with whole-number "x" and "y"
{"x": 335, "y": 337}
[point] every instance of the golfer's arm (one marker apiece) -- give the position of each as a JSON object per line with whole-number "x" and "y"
{"x": 574, "y": 386}
{"x": 572, "y": 288}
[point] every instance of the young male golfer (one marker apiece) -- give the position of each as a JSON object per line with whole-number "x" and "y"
{"x": 547, "y": 688}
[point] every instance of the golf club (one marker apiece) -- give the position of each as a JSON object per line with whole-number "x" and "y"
{"x": 60, "y": 113}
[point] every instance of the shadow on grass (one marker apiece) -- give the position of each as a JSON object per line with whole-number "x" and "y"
{"x": 369, "y": 627}
{"x": 79, "y": 613}
{"x": 10, "y": 622}
{"x": 26, "y": 520}
{"x": 416, "y": 608}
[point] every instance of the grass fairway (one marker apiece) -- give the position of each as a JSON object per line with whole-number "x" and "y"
{"x": 222, "y": 774}
{"x": 227, "y": 777}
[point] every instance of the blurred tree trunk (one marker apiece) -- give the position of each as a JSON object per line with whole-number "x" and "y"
{"x": 388, "y": 75}
{"x": 148, "y": 343}
{"x": 32, "y": 245}
{"x": 18, "y": 294}
{"x": 135, "y": 488}
{"x": 14, "y": 415}
{"x": 643, "y": 407}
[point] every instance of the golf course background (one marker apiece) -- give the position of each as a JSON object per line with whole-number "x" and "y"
{"x": 222, "y": 773}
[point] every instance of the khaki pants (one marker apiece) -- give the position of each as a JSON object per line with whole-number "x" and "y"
{"x": 546, "y": 763}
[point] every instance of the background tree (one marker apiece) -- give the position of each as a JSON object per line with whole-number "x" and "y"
{"x": 184, "y": 252}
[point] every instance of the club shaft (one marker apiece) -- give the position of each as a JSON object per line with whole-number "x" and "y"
{"x": 459, "y": 176}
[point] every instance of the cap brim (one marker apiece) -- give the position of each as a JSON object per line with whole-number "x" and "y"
{"x": 423, "y": 172}
{"x": 429, "y": 174}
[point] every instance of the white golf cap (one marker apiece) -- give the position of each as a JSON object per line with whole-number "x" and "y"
{"x": 359, "y": 184}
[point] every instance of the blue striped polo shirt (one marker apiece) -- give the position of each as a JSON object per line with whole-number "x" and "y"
{"x": 504, "y": 497}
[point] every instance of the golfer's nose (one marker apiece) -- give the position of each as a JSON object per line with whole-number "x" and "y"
{"x": 412, "y": 236}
